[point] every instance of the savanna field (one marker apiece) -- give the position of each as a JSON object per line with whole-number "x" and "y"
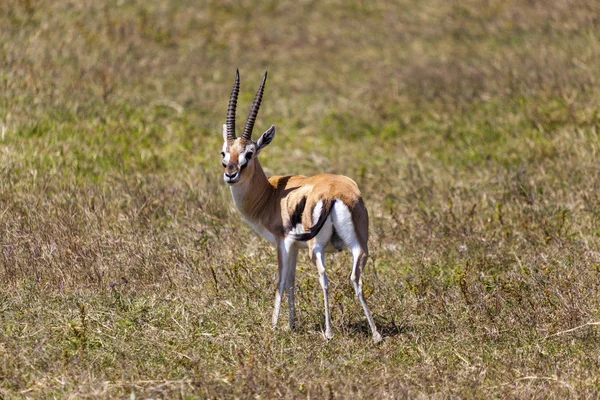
{"x": 471, "y": 127}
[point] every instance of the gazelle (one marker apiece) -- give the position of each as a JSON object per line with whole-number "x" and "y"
{"x": 323, "y": 213}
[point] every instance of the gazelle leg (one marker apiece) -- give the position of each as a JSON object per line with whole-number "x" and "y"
{"x": 291, "y": 282}
{"x": 282, "y": 261}
{"x": 360, "y": 260}
{"x": 318, "y": 259}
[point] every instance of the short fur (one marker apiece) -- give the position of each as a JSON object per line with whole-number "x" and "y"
{"x": 323, "y": 213}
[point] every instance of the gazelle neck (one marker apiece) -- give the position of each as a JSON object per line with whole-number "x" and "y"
{"x": 251, "y": 197}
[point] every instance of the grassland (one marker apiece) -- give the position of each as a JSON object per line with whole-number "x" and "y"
{"x": 471, "y": 127}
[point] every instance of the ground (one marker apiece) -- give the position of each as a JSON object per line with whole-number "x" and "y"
{"x": 472, "y": 129}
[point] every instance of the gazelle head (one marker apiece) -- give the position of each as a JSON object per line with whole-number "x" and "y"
{"x": 238, "y": 153}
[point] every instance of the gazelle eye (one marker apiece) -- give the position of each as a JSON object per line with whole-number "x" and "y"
{"x": 222, "y": 154}
{"x": 249, "y": 155}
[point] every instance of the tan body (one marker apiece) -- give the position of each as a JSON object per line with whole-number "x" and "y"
{"x": 322, "y": 213}
{"x": 273, "y": 202}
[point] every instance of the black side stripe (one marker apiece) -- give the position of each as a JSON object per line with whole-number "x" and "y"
{"x": 303, "y": 237}
{"x": 296, "y": 217}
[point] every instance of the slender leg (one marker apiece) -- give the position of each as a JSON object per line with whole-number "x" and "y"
{"x": 282, "y": 256}
{"x": 318, "y": 259}
{"x": 360, "y": 260}
{"x": 291, "y": 282}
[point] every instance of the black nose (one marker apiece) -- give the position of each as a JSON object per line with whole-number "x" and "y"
{"x": 231, "y": 170}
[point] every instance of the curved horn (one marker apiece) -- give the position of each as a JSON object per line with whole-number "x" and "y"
{"x": 254, "y": 110}
{"x": 232, "y": 105}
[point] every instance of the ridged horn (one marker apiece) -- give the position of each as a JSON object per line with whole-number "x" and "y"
{"x": 254, "y": 111}
{"x": 232, "y": 106}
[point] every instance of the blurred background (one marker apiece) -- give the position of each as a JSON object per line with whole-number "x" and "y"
{"x": 471, "y": 128}
{"x": 344, "y": 69}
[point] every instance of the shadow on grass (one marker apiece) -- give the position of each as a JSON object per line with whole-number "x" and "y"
{"x": 386, "y": 328}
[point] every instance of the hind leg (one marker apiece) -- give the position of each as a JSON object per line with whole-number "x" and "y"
{"x": 316, "y": 250}
{"x": 319, "y": 260}
{"x": 360, "y": 260}
{"x": 353, "y": 228}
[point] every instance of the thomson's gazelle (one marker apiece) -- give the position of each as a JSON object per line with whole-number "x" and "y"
{"x": 323, "y": 213}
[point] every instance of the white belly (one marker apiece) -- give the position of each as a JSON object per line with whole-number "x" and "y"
{"x": 264, "y": 232}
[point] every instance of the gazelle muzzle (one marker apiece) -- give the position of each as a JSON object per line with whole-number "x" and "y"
{"x": 232, "y": 173}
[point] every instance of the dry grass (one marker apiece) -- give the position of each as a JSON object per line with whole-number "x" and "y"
{"x": 471, "y": 127}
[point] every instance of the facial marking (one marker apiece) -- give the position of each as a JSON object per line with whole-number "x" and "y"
{"x": 226, "y": 158}
{"x": 236, "y": 156}
{"x": 225, "y": 152}
{"x": 245, "y": 156}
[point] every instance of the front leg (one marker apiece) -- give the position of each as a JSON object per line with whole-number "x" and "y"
{"x": 291, "y": 283}
{"x": 282, "y": 273}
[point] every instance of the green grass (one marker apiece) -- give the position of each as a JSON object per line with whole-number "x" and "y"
{"x": 472, "y": 129}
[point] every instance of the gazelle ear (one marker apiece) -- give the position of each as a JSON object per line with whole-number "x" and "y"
{"x": 224, "y": 132}
{"x": 265, "y": 139}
